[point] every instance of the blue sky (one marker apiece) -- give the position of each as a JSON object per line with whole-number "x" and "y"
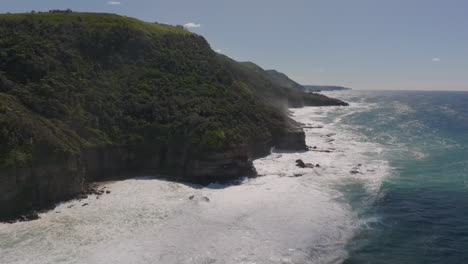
{"x": 363, "y": 44}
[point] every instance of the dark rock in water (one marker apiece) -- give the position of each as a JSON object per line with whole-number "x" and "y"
{"x": 324, "y": 151}
{"x": 298, "y": 174}
{"x": 359, "y": 165}
{"x": 191, "y": 197}
{"x": 354, "y": 172}
{"x": 29, "y": 216}
{"x": 206, "y": 199}
{"x": 317, "y": 165}
{"x": 301, "y": 164}
{"x": 70, "y": 206}
{"x": 82, "y": 196}
{"x": 108, "y": 192}
{"x": 85, "y": 204}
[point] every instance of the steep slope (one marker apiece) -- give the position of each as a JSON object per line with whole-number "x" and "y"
{"x": 274, "y": 92}
{"x": 85, "y": 96}
{"x": 283, "y": 80}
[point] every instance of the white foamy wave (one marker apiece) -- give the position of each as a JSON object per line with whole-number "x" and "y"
{"x": 289, "y": 215}
{"x": 447, "y": 109}
{"x": 401, "y": 108}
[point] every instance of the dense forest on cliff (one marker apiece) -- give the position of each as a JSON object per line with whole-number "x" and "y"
{"x": 73, "y": 80}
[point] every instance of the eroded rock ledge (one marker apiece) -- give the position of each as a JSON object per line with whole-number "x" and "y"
{"x": 40, "y": 186}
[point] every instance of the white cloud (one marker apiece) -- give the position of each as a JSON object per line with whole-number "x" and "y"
{"x": 192, "y": 25}
{"x": 218, "y": 50}
{"x": 435, "y": 59}
{"x": 113, "y": 3}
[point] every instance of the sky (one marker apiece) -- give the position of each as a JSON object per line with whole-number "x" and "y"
{"x": 362, "y": 44}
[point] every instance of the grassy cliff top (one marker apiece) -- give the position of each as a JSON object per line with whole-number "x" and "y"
{"x": 96, "y": 21}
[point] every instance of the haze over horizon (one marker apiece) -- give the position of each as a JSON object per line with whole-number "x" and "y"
{"x": 362, "y": 44}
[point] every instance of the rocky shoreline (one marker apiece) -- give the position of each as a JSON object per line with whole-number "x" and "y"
{"x": 33, "y": 213}
{"x": 156, "y": 101}
{"x": 77, "y": 179}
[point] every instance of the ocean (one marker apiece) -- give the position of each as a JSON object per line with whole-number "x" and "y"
{"x": 391, "y": 187}
{"x": 421, "y": 213}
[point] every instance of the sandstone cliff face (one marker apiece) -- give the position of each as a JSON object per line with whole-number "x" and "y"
{"x": 175, "y": 164}
{"x": 39, "y": 186}
{"x": 291, "y": 139}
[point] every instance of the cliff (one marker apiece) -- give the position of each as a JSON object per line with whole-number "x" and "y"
{"x": 283, "y": 80}
{"x": 88, "y": 96}
{"x": 272, "y": 90}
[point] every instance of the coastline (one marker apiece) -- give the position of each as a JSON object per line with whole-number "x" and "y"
{"x": 280, "y": 212}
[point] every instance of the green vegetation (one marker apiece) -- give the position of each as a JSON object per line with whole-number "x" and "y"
{"x": 70, "y": 81}
{"x": 283, "y": 80}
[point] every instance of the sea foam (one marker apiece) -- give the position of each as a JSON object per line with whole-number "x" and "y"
{"x": 288, "y": 215}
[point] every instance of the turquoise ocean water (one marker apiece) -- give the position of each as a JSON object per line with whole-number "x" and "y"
{"x": 420, "y": 214}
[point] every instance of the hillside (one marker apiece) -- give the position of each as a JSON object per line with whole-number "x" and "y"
{"x": 283, "y": 80}
{"x": 86, "y": 96}
{"x": 272, "y": 90}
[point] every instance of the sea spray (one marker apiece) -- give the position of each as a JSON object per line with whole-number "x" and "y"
{"x": 288, "y": 215}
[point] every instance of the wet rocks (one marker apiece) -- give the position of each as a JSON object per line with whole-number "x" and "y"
{"x": 81, "y": 196}
{"x": 322, "y": 150}
{"x": 300, "y": 163}
{"x": 32, "y": 215}
{"x": 29, "y": 216}
{"x": 203, "y": 198}
{"x": 355, "y": 170}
